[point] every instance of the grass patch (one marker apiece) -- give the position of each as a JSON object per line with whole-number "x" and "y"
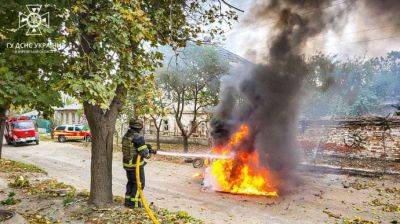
{"x": 386, "y": 207}
{"x": 19, "y": 183}
{"x": 46, "y": 138}
{"x": 14, "y": 166}
{"x": 121, "y": 215}
{"x": 52, "y": 188}
{"x": 358, "y": 220}
{"x": 10, "y": 200}
{"x": 39, "y": 219}
{"x": 39, "y": 197}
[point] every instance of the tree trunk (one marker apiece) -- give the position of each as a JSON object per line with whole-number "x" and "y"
{"x": 102, "y": 130}
{"x": 117, "y": 137}
{"x": 52, "y": 127}
{"x": 158, "y": 139}
{"x": 158, "y": 129}
{"x": 185, "y": 140}
{"x": 3, "y": 111}
{"x": 102, "y": 127}
{"x": 185, "y": 137}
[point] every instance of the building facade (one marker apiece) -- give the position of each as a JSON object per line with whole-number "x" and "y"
{"x": 170, "y": 132}
{"x": 70, "y": 114}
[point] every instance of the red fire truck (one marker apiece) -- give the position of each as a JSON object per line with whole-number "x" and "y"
{"x": 21, "y": 130}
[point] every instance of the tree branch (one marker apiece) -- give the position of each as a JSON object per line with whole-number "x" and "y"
{"x": 231, "y": 6}
{"x": 117, "y": 102}
{"x": 182, "y": 104}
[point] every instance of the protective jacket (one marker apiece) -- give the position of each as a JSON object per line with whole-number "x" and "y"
{"x": 133, "y": 144}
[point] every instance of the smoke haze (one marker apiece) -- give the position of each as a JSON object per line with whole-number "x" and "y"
{"x": 268, "y": 95}
{"x": 362, "y": 32}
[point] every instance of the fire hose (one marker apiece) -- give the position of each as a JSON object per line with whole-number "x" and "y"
{"x": 141, "y": 194}
{"x": 139, "y": 184}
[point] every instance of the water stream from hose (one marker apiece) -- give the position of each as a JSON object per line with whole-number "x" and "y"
{"x": 194, "y": 155}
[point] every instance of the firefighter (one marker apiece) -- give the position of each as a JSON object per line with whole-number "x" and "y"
{"x": 133, "y": 144}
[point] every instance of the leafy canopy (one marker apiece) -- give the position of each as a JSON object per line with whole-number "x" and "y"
{"x": 111, "y": 43}
{"x": 27, "y": 78}
{"x": 353, "y": 87}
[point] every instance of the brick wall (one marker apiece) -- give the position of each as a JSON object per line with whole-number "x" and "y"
{"x": 360, "y": 137}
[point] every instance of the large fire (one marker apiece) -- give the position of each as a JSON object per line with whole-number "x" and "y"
{"x": 243, "y": 173}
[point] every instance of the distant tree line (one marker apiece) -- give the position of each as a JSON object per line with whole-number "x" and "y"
{"x": 188, "y": 82}
{"x": 351, "y": 87}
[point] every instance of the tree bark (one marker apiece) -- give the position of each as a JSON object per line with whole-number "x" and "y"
{"x": 101, "y": 123}
{"x": 52, "y": 127}
{"x": 158, "y": 139}
{"x": 185, "y": 140}
{"x": 3, "y": 111}
{"x": 158, "y": 129}
{"x": 102, "y": 127}
{"x": 101, "y": 161}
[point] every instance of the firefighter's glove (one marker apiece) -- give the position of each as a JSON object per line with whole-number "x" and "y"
{"x": 145, "y": 154}
{"x": 151, "y": 150}
{"x": 144, "y": 151}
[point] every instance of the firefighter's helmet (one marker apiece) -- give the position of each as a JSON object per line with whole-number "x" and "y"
{"x": 135, "y": 124}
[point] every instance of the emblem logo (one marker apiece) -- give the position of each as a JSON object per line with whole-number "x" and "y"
{"x": 34, "y": 21}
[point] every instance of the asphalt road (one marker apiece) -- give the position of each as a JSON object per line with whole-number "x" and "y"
{"x": 172, "y": 186}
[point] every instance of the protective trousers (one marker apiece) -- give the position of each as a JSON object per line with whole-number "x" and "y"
{"x": 132, "y": 198}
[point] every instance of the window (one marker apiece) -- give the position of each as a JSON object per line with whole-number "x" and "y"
{"x": 78, "y": 128}
{"x": 70, "y": 128}
{"x": 60, "y": 128}
{"x": 166, "y": 127}
{"x": 23, "y": 125}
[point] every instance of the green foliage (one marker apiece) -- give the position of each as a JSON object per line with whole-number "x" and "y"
{"x": 68, "y": 201}
{"x": 194, "y": 74}
{"x": 10, "y": 200}
{"x": 53, "y": 188}
{"x": 14, "y": 166}
{"x": 120, "y": 215}
{"x": 20, "y": 182}
{"x": 26, "y": 78}
{"x": 191, "y": 81}
{"x": 107, "y": 48}
{"x": 114, "y": 42}
{"x": 146, "y": 98}
{"x": 353, "y": 87}
{"x": 357, "y": 220}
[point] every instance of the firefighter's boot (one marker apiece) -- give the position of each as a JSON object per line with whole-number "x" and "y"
{"x": 136, "y": 200}
{"x": 128, "y": 202}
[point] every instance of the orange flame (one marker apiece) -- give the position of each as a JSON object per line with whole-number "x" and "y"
{"x": 242, "y": 174}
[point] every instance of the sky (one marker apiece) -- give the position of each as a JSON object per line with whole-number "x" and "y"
{"x": 361, "y": 36}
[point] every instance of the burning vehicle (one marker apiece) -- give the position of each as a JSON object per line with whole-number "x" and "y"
{"x": 20, "y": 130}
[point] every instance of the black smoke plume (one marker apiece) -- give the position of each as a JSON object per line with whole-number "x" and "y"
{"x": 268, "y": 98}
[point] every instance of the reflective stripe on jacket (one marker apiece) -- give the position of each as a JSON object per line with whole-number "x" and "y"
{"x": 132, "y": 144}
